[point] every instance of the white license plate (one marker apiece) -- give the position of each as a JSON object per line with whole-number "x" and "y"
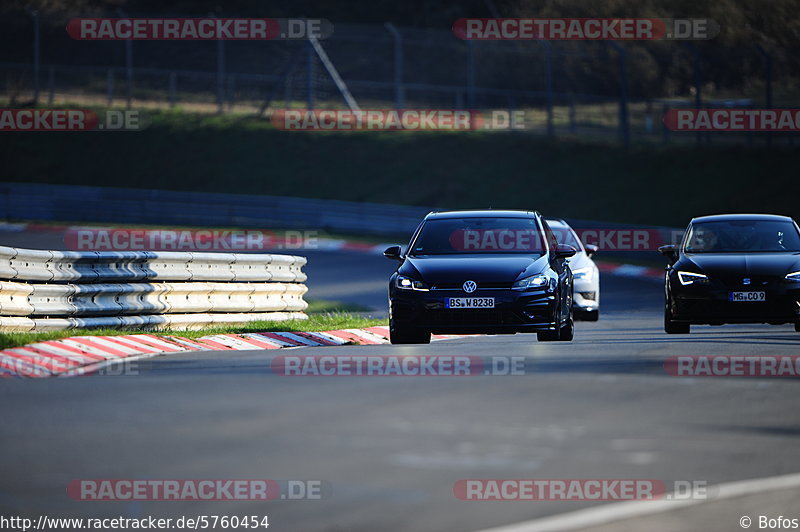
{"x": 747, "y": 296}
{"x": 469, "y": 302}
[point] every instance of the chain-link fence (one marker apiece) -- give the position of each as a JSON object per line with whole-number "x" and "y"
{"x": 583, "y": 89}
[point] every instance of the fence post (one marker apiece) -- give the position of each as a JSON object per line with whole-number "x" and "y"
{"x": 36, "y": 53}
{"x": 548, "y": 77}
{"x": 309, "y": 75}
{"x": 231, "y": 91}
{"x": 110, "y": 86}
{"x": 696, "y": 79}
{"x": 220, "y": 74}
{"x": 768, "y": 74}
{"x": 128, "y": 65}
{"x": 399, "y": 90}
{"x": 51, "y": 85}
{"x": 624, "y": 126}
{"x": 471, "y": 74}
{"x": 173, "y": 89}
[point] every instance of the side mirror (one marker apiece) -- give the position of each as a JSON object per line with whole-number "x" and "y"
{"x": 563, "y": 251}
{"x": 671, "y": 252}
{"x": 393, "y": 252}
{"x": 591, "y": 249}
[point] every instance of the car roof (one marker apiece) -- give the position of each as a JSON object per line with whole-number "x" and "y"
{"x": 488, "y": 213}
{"x": 741, "y": 217}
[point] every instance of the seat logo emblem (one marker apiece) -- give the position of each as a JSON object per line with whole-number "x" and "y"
{"x": 746, "y": 281}
{"x": 470, "y": 286}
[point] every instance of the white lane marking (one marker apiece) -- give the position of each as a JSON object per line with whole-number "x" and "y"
{"x": 330, "y": 338}
{"x": 298, "y": 338}
{"x": 55, "y": 350}
{"x": 139, "y": 346}
{"x": 92, "y": 349}
{"x": 610, "y": 513}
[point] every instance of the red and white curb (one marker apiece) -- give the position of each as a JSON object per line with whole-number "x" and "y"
{"x": 81, "y": 355}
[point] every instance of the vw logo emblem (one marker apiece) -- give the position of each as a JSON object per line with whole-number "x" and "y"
{"x": 470, "y": 287}
{"x": 746, "y": 281}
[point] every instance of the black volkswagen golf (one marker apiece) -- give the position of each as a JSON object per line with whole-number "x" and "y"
{"x": 486, "y": 272}
{"x": 734, "y": 268}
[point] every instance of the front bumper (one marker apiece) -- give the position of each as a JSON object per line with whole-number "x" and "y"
{"x": 515, "y": 311}
{"x": 709, "y": 303}
{"x": 586, "y": 295}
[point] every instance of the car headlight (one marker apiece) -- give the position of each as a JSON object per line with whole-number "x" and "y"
{"x": 535, "y": 281}
{"x": 687, "y": 278}
{"x": 407, "y": 283}
{"x": 795, "y": 276}
{"x": 583, "y": 273}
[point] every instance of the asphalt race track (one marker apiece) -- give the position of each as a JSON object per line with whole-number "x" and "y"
{"x": 391, "y": 449}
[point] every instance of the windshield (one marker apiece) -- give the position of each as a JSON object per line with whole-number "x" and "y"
{"x": 565, "y": 235}
{"x": 742, "y": 236}
{"x": 447, "y": 236}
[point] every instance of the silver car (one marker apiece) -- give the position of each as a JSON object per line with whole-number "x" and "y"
{"x": 586, "y": 300}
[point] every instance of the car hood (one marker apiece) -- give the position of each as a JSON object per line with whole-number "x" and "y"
{"x": 579, "y": 260}
{"x": 733, "y": 266}
{"x": 481, "y": 268}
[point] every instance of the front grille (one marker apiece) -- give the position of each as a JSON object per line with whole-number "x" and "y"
{"x": 702, "y": 308}
{"x": 481, "y": 286}
{"x": 472, "y": 317}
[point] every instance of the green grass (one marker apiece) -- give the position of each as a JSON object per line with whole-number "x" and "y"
{"x": 325, "y": 321}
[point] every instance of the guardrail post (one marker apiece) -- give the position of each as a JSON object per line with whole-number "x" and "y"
{"x": 399, "y": 90}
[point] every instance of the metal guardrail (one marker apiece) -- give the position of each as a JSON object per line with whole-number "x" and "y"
{"x": 146, "y": 289}
{"x": 102, "y": 266}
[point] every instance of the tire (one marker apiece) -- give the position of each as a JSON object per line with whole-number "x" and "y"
{"x": 567, "y": 332}
{"x": 403, "y": 335}
{"x": 547, "y": 336}
{"x": 673, "y": 327}
{"x": 590, "y": 315}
